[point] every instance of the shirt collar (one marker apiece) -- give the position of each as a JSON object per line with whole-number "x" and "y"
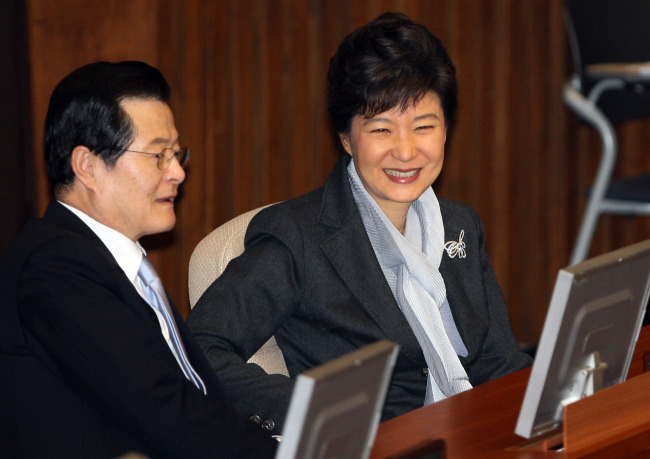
{"x": 127, "y": 253}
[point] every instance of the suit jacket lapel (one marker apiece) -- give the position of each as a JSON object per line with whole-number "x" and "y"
{"x": 452, "y": 270}
{"x": 350, "y": 252}
{"x": 62, "y": 217}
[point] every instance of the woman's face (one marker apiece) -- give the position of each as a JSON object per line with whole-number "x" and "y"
{"x": 398, "y": 154}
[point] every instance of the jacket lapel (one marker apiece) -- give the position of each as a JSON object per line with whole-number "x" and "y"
{"x": 468, "y": 322}
{"x": 58, "y": 214}
{"x": 64, "y": 218}
{"x": 351, "y": 254}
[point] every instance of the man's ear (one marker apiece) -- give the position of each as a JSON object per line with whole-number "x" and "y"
{"x": 83, "y": 163}
{"x": 345, "y": 141}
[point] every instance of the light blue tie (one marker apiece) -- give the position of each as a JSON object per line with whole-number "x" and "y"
{"x": 157, "y": 297}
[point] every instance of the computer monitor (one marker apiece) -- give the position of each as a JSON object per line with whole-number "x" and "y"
{"x": 335, "y": 408}
{"x": 589, "y": 335}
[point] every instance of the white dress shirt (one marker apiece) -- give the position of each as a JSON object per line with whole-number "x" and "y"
{"x": 128, "y": 255}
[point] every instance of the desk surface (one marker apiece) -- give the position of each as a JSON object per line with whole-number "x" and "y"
{"x": 479, "y": 422}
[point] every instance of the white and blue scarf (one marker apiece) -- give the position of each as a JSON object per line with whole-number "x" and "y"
{"x": 410, "y": 264}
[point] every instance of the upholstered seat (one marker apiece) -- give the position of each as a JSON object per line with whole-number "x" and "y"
{"x": 210, "y": 258}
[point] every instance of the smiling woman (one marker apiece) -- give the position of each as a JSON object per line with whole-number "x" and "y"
{"x": 398, "y": 154}
{"x": 363, "y": 258}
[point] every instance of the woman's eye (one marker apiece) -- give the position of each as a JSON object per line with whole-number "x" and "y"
{"x": 381, "y": 130}
{"x": 424, "y": 128}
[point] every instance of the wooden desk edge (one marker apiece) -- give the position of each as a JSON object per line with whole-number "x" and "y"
{"x": 441, "y": 420}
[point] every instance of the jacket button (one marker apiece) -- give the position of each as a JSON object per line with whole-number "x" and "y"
{"x": 268, "y": 425}
{"x": 255, "y": 418}
{"x": 425, "y": 371}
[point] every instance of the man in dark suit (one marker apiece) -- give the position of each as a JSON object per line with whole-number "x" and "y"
{"x": 95, "y": 361}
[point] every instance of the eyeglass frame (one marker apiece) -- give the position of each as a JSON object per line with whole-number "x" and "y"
{"x": 163, "y": 160}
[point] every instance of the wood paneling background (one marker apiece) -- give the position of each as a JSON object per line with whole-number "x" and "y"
{"x": 248, "y": 85}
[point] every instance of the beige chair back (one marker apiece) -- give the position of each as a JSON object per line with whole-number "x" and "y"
{"x": 208, "y": 261}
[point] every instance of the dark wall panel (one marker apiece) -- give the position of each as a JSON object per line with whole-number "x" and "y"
{"x": 248, "y": 82}
{"x": 16, "y": 186}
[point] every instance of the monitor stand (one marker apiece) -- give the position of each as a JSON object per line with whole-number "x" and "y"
{"x": 590, "y": 381}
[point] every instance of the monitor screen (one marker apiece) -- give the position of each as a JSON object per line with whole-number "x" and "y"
{"x": 589, "y": 335}
{"x": 335, "y": 408}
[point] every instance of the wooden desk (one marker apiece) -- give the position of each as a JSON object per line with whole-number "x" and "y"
{"x": 479, "y": 423}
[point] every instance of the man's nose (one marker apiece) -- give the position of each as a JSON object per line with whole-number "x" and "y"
{"x": 175, "y": 172}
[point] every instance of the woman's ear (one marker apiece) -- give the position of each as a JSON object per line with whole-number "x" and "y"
{"x": 345, "y": 141}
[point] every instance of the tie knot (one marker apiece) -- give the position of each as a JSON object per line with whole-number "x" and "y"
{"x": 147, "y": 273}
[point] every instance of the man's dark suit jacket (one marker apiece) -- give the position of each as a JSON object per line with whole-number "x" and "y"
{"x": 86, "y": 372}
{"x": 309, "y": 275}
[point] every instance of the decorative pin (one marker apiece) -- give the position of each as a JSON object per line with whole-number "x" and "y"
{"x": 454, "y": 248}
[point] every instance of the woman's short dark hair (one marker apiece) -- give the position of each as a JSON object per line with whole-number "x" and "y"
{"x": 85, "y": 110}
{"x": 389, "y": 62}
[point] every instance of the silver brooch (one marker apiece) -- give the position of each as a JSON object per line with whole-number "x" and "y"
{"x": 454, "y": 248}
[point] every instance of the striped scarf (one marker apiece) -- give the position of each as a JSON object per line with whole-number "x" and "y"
{"x": 410, "y": 264}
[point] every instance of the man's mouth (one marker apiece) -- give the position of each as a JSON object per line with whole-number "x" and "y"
{"x": 167, "y": 199}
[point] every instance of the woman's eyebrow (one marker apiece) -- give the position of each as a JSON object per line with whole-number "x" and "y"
{"x": 375, "y": 119}
{"x": 425, "y": 116}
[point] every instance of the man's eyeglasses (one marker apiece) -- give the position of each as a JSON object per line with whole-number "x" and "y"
{"x": 165, "y": 157}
